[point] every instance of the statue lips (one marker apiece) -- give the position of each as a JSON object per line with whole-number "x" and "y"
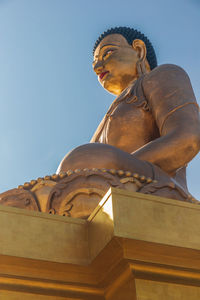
{"x": 103, "y": 74}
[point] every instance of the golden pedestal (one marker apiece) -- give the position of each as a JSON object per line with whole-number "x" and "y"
{"x": 133, "y": 246}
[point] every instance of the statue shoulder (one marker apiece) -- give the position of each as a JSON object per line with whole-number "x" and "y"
{"x": 166, "y": 75}
{"x": 168, "y": 67}
{"x": 168, "y": 89}
{"x": 166, "y": 80}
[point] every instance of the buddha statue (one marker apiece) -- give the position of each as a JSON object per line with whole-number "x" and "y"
{"x": 150, "y": 132}
{"x": 152, "y": 127}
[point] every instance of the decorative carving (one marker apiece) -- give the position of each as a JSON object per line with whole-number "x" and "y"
{"x": 78, "y": 194}
{"x": 74, "y": 193}
{"x": 20, "y": 198}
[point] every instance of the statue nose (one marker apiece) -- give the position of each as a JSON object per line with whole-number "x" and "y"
{"x": 98, "y": 67}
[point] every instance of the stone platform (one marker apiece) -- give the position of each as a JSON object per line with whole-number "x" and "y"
{"x": 133, "y": 246}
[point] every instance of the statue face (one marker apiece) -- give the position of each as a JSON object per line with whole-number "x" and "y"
{"x": 115, "y": 63}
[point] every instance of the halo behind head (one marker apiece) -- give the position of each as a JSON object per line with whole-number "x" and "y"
{"x": 130, "y": 35}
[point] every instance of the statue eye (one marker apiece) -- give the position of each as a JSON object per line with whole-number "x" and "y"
{"x": 107, "y": 54}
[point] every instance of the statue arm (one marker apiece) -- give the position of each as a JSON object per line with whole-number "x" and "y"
{"x": 95, "y": 137}
{"x": 174, "y": 108}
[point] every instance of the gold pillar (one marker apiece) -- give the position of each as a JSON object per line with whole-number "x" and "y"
{"x": 133, "y": 246}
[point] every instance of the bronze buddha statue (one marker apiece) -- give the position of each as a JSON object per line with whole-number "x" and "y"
{"x": 153, "y": 126}
{"x": 149, "y": 134}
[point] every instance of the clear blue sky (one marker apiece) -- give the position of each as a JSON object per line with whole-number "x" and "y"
{"x": 50, "y": 98}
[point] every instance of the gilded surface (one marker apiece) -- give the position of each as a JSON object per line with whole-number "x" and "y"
{"x": 108, "y": 256}
{"x": 73, "y": 193}
{"x": 151, "y": 129}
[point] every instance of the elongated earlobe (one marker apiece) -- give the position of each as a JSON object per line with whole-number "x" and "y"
{"x": 140, "y": 47}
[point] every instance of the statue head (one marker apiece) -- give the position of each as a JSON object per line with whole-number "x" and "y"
{"x": 121, "y": 55}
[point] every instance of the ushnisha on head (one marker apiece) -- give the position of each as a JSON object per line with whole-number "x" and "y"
{"x": 122, "y": 55}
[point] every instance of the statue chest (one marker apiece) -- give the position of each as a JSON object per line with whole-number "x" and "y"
{"x": 128, "y": 127}
{"x": 129, "y": 123}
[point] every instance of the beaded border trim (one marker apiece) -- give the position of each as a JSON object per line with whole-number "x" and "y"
{"x": 56, "y": 177}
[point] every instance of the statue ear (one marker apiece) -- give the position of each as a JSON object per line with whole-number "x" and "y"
{"x": 140, "y": 47}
